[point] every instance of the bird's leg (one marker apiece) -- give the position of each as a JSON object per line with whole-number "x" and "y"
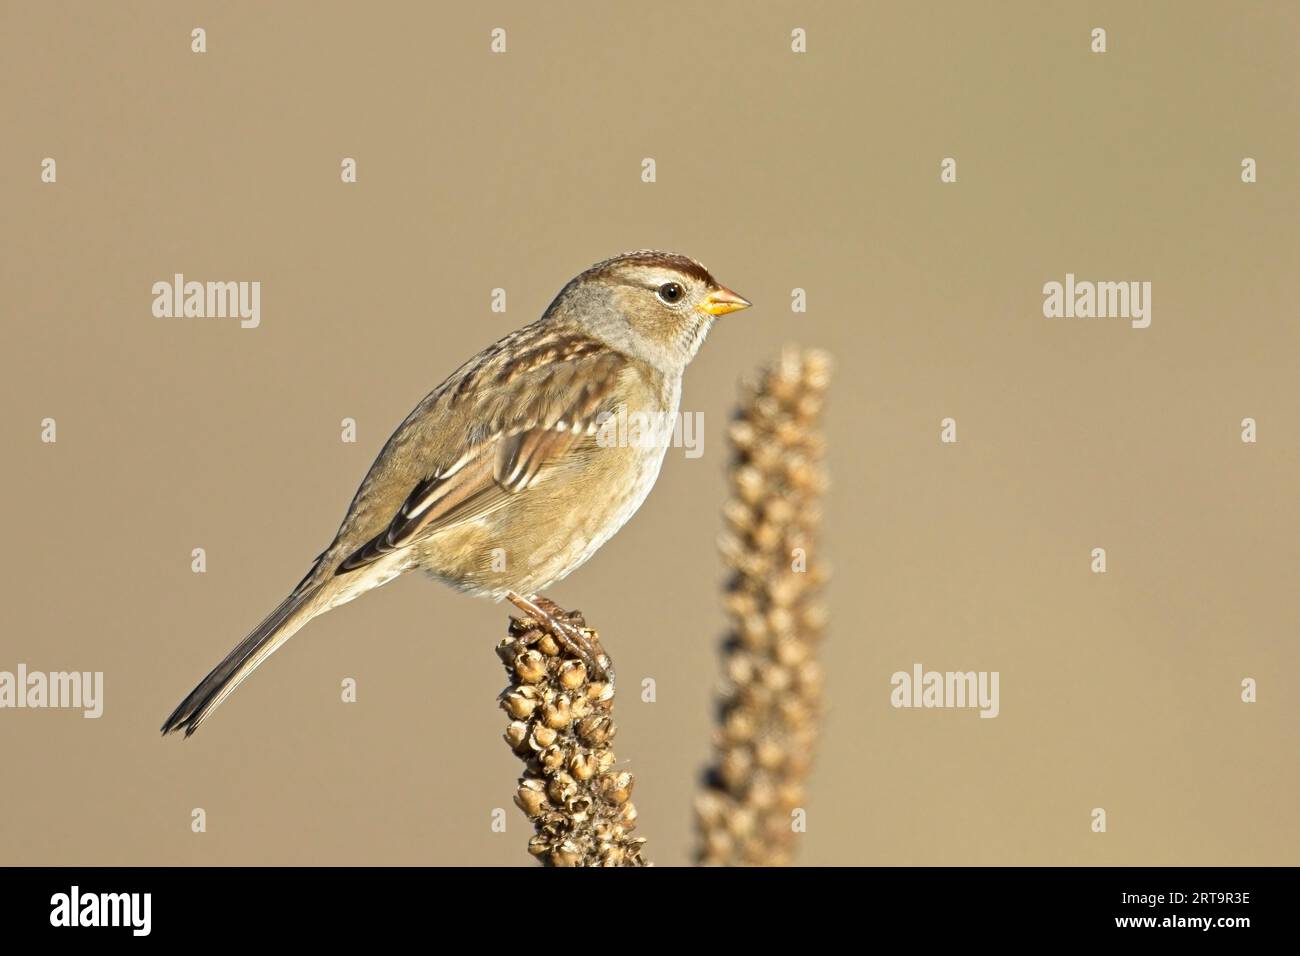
{"x": 582, "y": 642}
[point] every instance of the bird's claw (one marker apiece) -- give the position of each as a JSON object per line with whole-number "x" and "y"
{"x": 582, "y": 642}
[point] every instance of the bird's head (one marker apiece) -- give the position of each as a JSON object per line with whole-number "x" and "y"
{"x": 656, "y": 306}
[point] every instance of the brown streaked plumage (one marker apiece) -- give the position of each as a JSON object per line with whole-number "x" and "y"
{"x": 501, "y": 482}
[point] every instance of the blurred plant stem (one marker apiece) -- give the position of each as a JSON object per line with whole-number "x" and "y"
{"x": 751, "y": 809}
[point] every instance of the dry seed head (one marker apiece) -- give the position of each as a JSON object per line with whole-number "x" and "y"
{"x": 561, "y": 727}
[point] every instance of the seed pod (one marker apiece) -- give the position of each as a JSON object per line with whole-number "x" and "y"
{"x": 530, "y": 797}
{"x": 516, "y": 734}
{"x": 542, "y": 737}
{"x": 551, "y": 759}
{"x": 738, "y": 726}
{"x": 561, "y": 788}
{"x": 530, "y": 666}
{"x": 566, "y": 854}
{"x": 612, "y": 855}
{"x": 558, "y": 713}
{"x": 617, "y": 787}
{"x": 748, "y": 482}
{"x": 582, "y": 765}
{"x": 572, "y": 674}
{"x": 519, "y": 704}
{"x": 595, "y": 730}
{"x": 769, "y": 754}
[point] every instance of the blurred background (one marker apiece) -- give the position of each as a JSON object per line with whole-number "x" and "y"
{"x": 779, "y": 170}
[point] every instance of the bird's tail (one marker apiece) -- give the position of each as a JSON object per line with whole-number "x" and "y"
{"x": 280, "y": 625}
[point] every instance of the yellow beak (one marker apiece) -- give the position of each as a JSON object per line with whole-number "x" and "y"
{"x": 722, "y": 300}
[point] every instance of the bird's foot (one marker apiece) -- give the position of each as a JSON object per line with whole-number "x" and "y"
{"x": 581, "y": 642}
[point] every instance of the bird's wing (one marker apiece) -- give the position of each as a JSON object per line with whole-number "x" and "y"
{"x": 529, "y": 411}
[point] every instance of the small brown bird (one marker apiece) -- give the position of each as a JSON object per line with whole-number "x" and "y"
{"x": 504, "y": 478}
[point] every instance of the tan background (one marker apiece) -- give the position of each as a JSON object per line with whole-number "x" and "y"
{"x": 820, "y": 171}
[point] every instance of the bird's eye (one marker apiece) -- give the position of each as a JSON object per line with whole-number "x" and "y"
{"x": 671, "y": 292}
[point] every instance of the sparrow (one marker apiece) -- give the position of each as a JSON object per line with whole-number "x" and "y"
{"x": 502, "y": 480}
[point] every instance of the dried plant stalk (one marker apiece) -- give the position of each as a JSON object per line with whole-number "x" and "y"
{"x": 771, "y": 699}
{"x": 562, "y": 727}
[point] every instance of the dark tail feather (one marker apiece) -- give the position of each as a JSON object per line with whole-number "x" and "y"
{"x": 280, "y": 625}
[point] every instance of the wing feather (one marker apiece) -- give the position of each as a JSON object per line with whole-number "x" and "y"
{"x": 534, "y": 419}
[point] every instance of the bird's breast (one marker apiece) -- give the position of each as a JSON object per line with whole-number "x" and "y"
{"x": 551, "y": 528}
